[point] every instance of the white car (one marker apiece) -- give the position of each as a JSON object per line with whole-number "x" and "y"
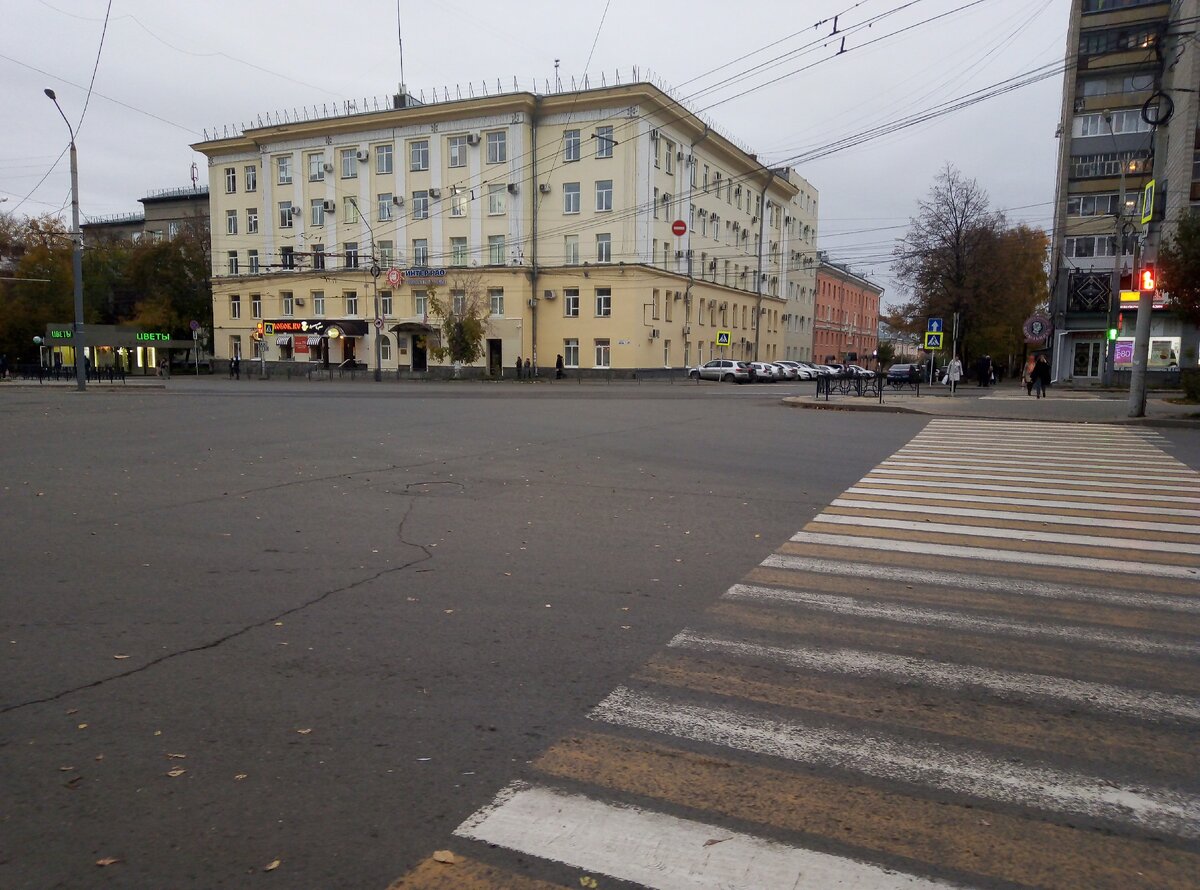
{"x": 765, "y": 372}
{"x": 789, "y": 372}
{"x": 802, "y": 373}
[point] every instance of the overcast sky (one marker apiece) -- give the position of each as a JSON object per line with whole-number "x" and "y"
{"x": 168, "y": 70}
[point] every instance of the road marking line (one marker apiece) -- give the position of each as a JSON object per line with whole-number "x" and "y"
{"x": 984, "y": 553}
{"x": 1089, "y": 485}
{"x": 966, "y": 449}
{"x": 904, "y": 506}
{"x": 1010, "y": 534}
{"x": 960, "y": 771}
{"x": 1157, "y": 707}
{"x": 1148, "y": 509}
{"x": 1094, "y": 494}
{"x": 1022, "y": 468}
{"x": 961, "y": 621}
{"x": 990, "y": 583}
{"x": 658, "y": 850}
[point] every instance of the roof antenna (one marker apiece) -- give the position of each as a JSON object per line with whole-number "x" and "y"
{"x": 400, "y": 100}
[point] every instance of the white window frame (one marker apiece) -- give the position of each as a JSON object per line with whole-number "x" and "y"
{"x": 459, "y": 251}
{"x": 603, "y": 302}
{"x": 349, "y": 161}
{"x": 256, "y": 306}
{"x": 496, "y": 301}
{"x": 318, "y": 299}
{"x": 571, "y": 352}
{"x": 418, "y": 155}
{"x": 570, "y": 197}
{"x": 387, "y": 253}
{"x": 496, "y": 249}
{"x": 288, "y": 303}
{"x": 383, "y": 202}
{"x": 351, "y": 297}
{"x": 603, "y": 352}
{"x": 350, "y": 256}
{"x": 252, "y": 221}
{"x": 251, "y": 173}
{"x": 283, "y": 170}
{"x": 231, "y": 259}
{"x": 571, "y": 302}
{"x": 420, "y": 252}
{"x": 497, "y": 146}
{"x": 318, "y": 257}
{"x": 385, "y": 303}
{"x": 604, "y": 142}
{"x": 571, "y": 250}
{"x": 383, "y": 159}
{"x": 604, "y": 195}
{"x": 317, "y": 208}
{"x": 497, "y": 204}
{"x": 235, "y": 306}
{"x": 456, "y": 151}
{"x": 350, "y": 212}
{"x": 458, "y": 203}
{"x": 231, "y": 225}
{"x": 420, "y": 204}
{"x": 604, "y": 247}
{"x": 571, "y": 145}
{"x": 316, "y": 167}
{"x": 252, "y": 265}
{"x": 231, "y": 180}
{"x": 285, "y": 214}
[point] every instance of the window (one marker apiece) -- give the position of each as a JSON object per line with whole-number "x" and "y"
{"x": 1107, "y": 164}
{"x": 571, "y": 302}
{"x": 252, "y": 261}
{"x": 418, "y": 155}
{"x": 383, "y": 159}
{"x": 420, "y": 303}
{"x": 670, "y": 151}
{"x": 349, "y": 163}
{"x": 571, "y": 250}
{"x": 457, "y": 146}
{"x": 603, "y": 302}
{"x": 384, "y": 203}
{"x": 230, "y": 222}
{"x": 385, "y": 302}
{"x": 571, "y": 353}
{"x": 570, "y": 197}
{"x": 235, "y": 306}
{"x": 654, "y": 304}
{"x": 316, "y": 167}
{"x": 496, "y": 250}
{"x": 655, "y": 207}
{"x": 604, "y": 248}
{"x": 604, "y": 142}
{"x": 285, "y": 214}
{"x": 173, "y": 229}
{"x": 1117, "y": 40}
{"x": 351, "y": 302}
{"x": 349, "y": 209}
{"x": 289, "y": 303}
{"x": 420, "y": 252}
{"x": 420, "y": 205}
{"x": 287, "y": 257}
{"x": 230, "y": 180}
{"x": 284, "y": 167}
{"x": 496, "y": 299}
{"x": 385, "y": 349}
{"x": 318, "y": 298}
{"x": 570, "y": 145}
{"x": 317, "y": 209}
{"x": 458, "y": 302}
{"x": 604, "y": 195}
{"x": 496, "y": 202}
{"x": 458, "y": 251}
{"x": 256, "y": 305}
{"x": 235, "y": 346}
{"x": 1096, "y": 205}
{"x": 252, "y": 221}
{"x": 497, "y": 147}
{"x": 350, "y": 249}
{"x": 603, "y": 351}
{"x": 233, "y": 261}
{"x": 705, "y": 184}
{"x": 318, "y": 256}
{"x": 1128, "y": 120}
{"x": 251, "y": 178}
{"x": 387, "y": 254}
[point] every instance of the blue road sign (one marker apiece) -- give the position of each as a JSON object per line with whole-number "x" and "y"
{"x": 934, "y": 325}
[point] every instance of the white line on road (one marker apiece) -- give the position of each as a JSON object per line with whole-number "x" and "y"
{"x": 983, "y": 553}
{"x": 1022, "y": 468}
{"x": 990, "y": 583}
{"x": 1094, "y": 493}
{"x": 1156, "y": 707}
{"x": 960, "y": 771}
{"x": 1146, "y": 509}
{"x": 962, "y": 621}
{"x": 1010, "y": 534}
{"x": 997, "y": 475}
{"x": 653, "y": 849}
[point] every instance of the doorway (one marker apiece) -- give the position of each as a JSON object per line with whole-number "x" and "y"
{"x": 495, "y": 358}
{"x": 1089, "y": 358}
{"x": 419, "y": 360}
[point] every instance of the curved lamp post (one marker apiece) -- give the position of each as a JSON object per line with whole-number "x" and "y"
{"x": 77, "y": 339}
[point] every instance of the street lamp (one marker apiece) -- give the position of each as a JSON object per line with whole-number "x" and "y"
{"x": 375, "y": 287}
{"x": 77, "y": 339}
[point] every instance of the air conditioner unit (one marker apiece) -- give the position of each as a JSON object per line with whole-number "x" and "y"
{"x": 299, "y": 301}
{"x": 787, "y": 220}
{"x": 512, "y": 188}
{"x": 712, "y": 267}
{"x": 328, "y": 167}
{"x": 654, "y": 333}
{"x": 1080, "y": 104}
{"x": 296, "y": 210}
{"x": 544, "y": 188}
{"x": 666, "y": 199}
{"x": 687, "y": 329}
{"x": 435, "y": 193}
{"x": 549, "y": 294}
{"x": 654, "y": 134}
{"x": 679, "y": 254}
{"x": 329, "y": 206}
{"x": 361, "y": 154}
{"x": 679, "y": 156}
{"x": 753, "y": 220}
{"x": 398, "y": 200}
{"x": 533, "y": 302}
{"x": 472, "y": 139}
{"x": 689, "y": 254}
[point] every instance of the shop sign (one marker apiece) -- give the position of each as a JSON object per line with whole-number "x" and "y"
{"x": 1036, "y": 328}
{"x": 297, "y": 327}
{"x": 1130, "y": 298}
{"x": 62, "y": 335}
{"x": 152, "y": 335}
{"x": 423, "y": 276}
{"x": 300, "y": 345}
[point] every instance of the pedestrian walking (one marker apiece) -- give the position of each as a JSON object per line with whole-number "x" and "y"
{"x": 519, "y": 367}
{"x": 1041, "y": 376}
{"x": 954, "y": 373}
{"x": 558, "y": 368}
{"x": 3, "y": 367}
{"x": 236, "y": 367}
{"x": 528, "y": 370}
{"x": 1027, "y": 374}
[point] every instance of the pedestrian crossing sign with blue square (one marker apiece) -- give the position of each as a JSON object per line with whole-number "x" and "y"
{"x": 933, "y": 341}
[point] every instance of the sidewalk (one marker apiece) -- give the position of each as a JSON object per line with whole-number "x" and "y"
{"x": 1009, "y": 402}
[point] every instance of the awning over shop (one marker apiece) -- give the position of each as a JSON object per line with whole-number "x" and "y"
{"x": 314, "y": 339}
{"x": 351, "y": 328}
{"x": 411, "y": 327}
{"x": 283, "y": 340}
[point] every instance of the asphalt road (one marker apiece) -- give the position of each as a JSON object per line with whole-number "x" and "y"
{"x": 349, "y": 615}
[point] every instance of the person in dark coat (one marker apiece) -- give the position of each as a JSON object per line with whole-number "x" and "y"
{"x": 519, "y": 367}
{"x": 558, "y": 368}
{"x": 1041, "y": 376}
{"x": 528, "y": 370}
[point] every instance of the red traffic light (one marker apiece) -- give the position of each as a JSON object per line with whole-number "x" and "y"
{"x": 1148, "y": 281}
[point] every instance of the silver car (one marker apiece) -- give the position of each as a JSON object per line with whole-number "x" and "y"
{"x": 723, "y": 369}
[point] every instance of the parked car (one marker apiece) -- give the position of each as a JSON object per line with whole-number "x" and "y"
{"x": 765, "y": 372}
{"x": 790, "y": 371}
{"x": 903, "y": 373}
{"x": 722, "y": 369}
{"x": 827, "y": 370}
{"x": 801, "y": 372}
{"x": 859, "y": 371}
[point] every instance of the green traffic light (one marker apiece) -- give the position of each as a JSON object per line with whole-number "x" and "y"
{"x": 1112, "y": 333}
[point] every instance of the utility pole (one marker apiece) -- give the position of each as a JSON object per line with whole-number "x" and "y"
{"x": 1114, "y": 289}
{"x": 375, "y": 321}
{"x": 77, "y": 338}
{"x": 758, "y": 310}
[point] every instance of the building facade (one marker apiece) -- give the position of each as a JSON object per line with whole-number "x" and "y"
{"x": 165, "y": 214}
{"x": 1124, "y": 57}
{"x": 846, "y": 323}
{"x": 558, "y": 213}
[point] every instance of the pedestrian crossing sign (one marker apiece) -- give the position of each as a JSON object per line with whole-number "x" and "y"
{"x": 933, "y": 341}
{"x": 724, "y": 338}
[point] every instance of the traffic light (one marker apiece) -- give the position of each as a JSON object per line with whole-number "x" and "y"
{"x": 1148, "y": 281}
{"x": 258, "y": 332}
{"x": 1112, "y": 333}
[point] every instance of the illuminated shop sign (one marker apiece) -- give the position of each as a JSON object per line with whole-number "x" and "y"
{"x": 152, "y": 335}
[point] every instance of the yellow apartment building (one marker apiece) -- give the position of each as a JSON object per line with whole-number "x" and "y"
{"x": 560, "y": 213}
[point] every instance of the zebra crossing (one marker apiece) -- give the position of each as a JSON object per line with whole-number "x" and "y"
{"x": 977, "y": 667}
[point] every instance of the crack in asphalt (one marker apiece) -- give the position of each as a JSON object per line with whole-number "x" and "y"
{"x": 213, "y": 644}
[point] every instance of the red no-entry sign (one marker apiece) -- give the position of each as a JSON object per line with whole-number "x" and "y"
{"x": 679, "y": 227}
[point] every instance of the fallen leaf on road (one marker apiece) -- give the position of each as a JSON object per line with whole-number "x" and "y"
{"x": 304, "y": 731}
{"x": 99, "y": 757}
{"x": 107, "y": 860}
{"x": 272, "y": 865}
{"x": 120, "y": 657}
{"x": 239, "y": 776}
{"x": 715, "y": 840}
{"x": 65, "y": 769}
{"x": 589, "y": 882}
{"x": 176, "y": 756}
{"x": 448, "y": 611}
{"x": 176, "y": 773}
{"x": 73, "y": 711}
{"x": 82, "y": 726}
{"x": 444, "y": 856}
